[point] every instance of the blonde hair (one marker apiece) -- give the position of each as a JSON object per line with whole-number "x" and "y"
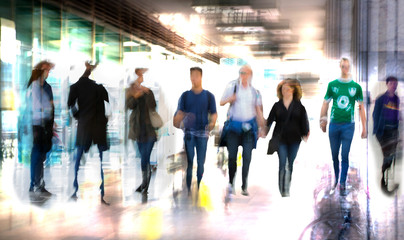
{"x": 293, "y": 83}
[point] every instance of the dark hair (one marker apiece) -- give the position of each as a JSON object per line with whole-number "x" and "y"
{"x": 38, "y": 71}
{"x": 391, "y": 78}
{"x": 196, "y": 69}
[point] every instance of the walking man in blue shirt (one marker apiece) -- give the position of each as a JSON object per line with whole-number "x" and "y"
{"x": 196, "y": 115}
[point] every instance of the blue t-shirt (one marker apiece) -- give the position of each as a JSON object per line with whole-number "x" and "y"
{"x": 197, "y": 108}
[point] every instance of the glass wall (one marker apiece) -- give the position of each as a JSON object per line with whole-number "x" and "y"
{"x": 32, "y": 31}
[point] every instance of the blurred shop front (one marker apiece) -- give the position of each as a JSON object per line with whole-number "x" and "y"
{"x": 32, "y": 31}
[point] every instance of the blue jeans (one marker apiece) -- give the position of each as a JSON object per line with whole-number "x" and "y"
{"x": 200, "y": 143}
{"x": 145, "y": 149}
{"x": 246, "y": 140}
{"x": 80, "y": 151}
{"x": 38, "y": 157}
{"x": 341, "y": 134}
{"x": 286, "y": 152}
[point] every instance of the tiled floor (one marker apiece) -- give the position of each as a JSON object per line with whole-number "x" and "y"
{"x": 312, "y": 212}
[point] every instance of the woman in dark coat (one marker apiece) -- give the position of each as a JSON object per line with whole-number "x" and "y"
{"x": 92, "y": 123}
{"x": 292, "y": 124}
{"x": 141, "y": 101}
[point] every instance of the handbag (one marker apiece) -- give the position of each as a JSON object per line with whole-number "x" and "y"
{"x": 273, "y": 144}
{"x": 155, "y": 119}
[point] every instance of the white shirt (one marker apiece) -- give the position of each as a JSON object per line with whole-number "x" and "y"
{"x": 244, "y": 108}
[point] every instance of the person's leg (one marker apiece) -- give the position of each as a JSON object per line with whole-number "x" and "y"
{"x": 79, "y": 153}
{"x": 388, "y": 142}
{"x": 282, "y": 154}
{"x": 292, "y": 152}
{"x": 40, "y": 181}
{"x": 102, "y": 172}
{"x": 346, "y": 140}
{"x": 248, "y": 144}
{"x": 335, "y": 143}
{"x": 201, "y": 146}
{"x": 189, "y": 141}
{"x": 232, "y": 148}
{"x": 148, "y": 151}
{"x": 35, "y": 158}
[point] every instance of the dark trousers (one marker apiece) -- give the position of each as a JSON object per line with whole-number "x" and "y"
{"x": 80, "y": 151}
{"x": 246, "y": 140}
{"x": 38, "y": 157}
{"x": 200, "y": 144}
{"x": 286, "y": 153}
{"x": 388, "y": 142}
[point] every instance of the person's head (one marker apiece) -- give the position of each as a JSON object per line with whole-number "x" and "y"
{"x": 391, "y": 83}
{"x": 196, "y": 77}
{"x": 345, "y": 66}
{"x": 139, "y": 72}
{"x": 289, "y": 87}
{"x": 245, "y": 73}
{"x": 41, "y": 72}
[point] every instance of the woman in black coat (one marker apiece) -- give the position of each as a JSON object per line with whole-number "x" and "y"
{"x": 92, "y": 123}
{"x": 291, "y": 126}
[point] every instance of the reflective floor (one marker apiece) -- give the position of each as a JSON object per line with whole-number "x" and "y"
{"x": 314, "y": 210}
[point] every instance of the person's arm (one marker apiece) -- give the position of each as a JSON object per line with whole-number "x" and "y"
{"x": 71, "y": 100}
{"x": 363, "y": 119}
{"x": 131, "y": 102}
{"x": 229, "y": 95}
{"x": 271, "y": 119}
{"x": 376, "y": 114}
{"x": 230, "y": 100}
{"x": 212, "y": 110}
{"x": 179, "y": 114}
{"x": 212, "y": 123}
{"x": 305, "y": 125}
{"x": 324, "y": 115}
{"x": 178, "y": 117}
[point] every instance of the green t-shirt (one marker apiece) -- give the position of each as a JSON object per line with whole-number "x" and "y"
{"x": 344, "y": 95}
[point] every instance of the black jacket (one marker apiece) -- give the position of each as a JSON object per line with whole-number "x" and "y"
{"x": 296, "y": 127}
{"x": 91, "y": 122}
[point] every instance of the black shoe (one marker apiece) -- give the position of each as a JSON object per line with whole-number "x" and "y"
{"x": 74, "y": 197}
{"x": 104, "y": 202}
{"x": 342, "y": 190}
{"x": 244, "y": 192}
{"x": 31, "y": 189}
{"x": 139, "y": 189}
{"x": 45, "y": 193}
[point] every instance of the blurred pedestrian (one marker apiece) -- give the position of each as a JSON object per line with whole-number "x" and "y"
{"x": 88, "y": 98}
{"x": 196, "y": 115}
{"x": 386, "y": 118}
{"x": 292, "y": 125}
{"x": 344, "y": 92}
{"x": 141, "y": 101}
{"x": 244, "y": 119}
{"x": 40, "y": 96}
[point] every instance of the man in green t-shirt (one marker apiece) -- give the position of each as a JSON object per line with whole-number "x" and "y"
{"x": 343, "y": 92}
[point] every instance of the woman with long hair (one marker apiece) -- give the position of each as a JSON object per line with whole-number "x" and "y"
{"x": 292, "y": 126}
{"x": 42, "y": 111}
